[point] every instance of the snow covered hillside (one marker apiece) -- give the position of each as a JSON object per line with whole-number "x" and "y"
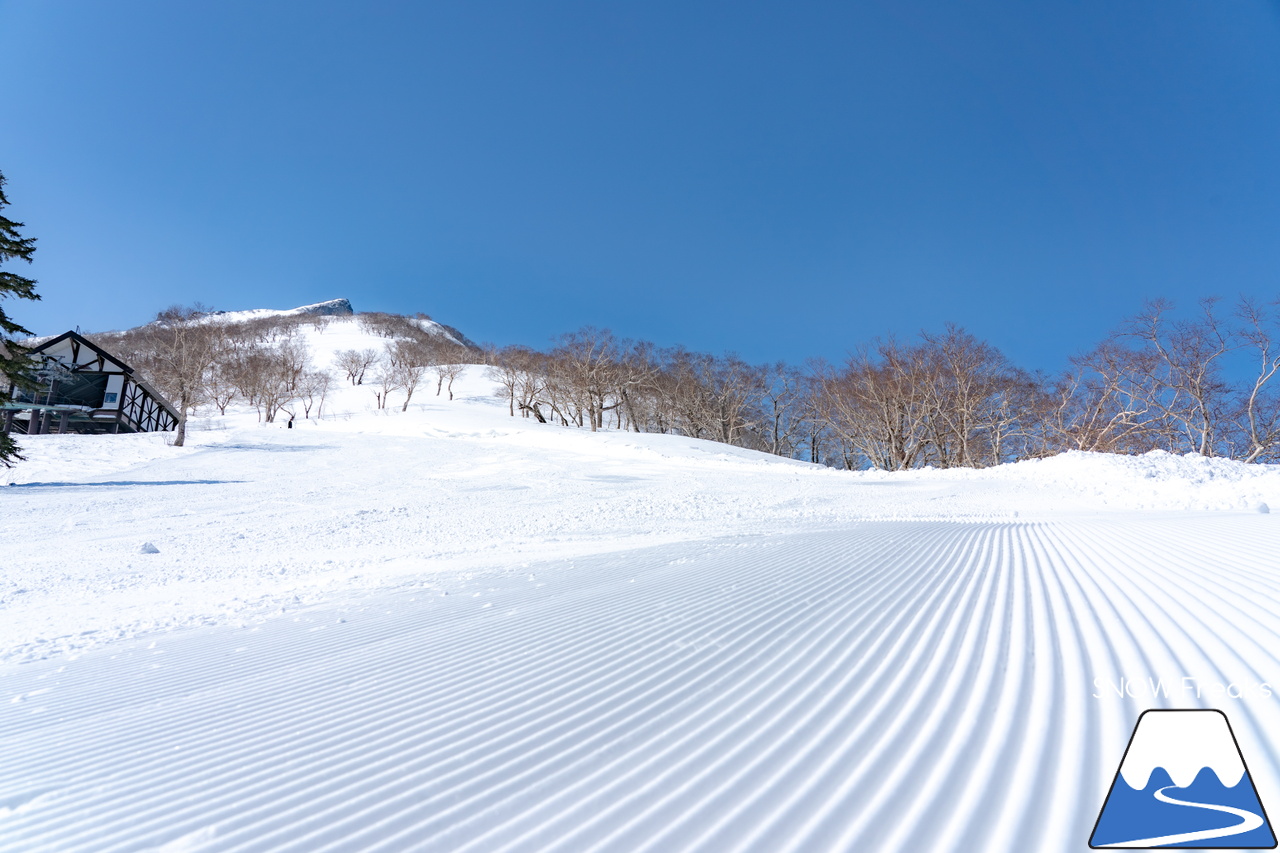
{"x": 448, "y": 629}
{"x": 340, "y": 313}
{"x": 329, "y": 308}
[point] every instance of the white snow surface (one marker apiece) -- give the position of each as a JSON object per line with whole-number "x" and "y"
{"x": 447, "y": 629}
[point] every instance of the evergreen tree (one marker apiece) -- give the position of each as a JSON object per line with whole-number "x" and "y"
{"x": 15, "y": 366}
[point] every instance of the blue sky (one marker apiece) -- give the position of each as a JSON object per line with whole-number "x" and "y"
{"x": 783, "y": 180}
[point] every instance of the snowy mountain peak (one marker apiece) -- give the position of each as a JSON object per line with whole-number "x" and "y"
{"x": 334, "y": 307}
{"x": 330, "y": 308}
{"x": 1183, "y": 743}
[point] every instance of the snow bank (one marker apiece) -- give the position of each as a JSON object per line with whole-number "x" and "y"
{"x": 1154, "y": 481}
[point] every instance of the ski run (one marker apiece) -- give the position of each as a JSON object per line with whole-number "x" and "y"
{"x": 447, "y": 629}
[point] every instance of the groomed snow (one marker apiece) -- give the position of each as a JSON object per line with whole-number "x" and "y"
{"x": 448, "y": 629}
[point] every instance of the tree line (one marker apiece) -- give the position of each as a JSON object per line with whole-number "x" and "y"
{"x": 1202, "y": 384}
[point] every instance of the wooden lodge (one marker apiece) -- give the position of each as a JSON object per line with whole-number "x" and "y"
{"x": 83, "y": 388}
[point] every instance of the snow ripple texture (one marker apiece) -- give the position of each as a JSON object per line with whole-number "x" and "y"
{"x": 890, "y": 686}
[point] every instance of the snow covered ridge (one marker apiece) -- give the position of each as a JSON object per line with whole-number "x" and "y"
{"x": 441, "y": 330}
{"x": 331, "y": 308}
{"x": 340, "y": 308}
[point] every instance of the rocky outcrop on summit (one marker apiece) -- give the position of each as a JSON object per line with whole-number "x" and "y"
{"x": 331, "y": 308}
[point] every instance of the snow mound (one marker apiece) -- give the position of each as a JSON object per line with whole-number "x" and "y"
{"x": 1154, "y": 480}
{"x": 1157, "y": 480}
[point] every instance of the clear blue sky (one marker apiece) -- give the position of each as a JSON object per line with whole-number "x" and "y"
{"x": 783, "y": 180}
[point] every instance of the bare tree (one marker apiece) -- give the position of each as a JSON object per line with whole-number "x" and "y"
{"x": 1015, "y": 418}
{"x": 240, "y": 365}
{"x": 385, "y": 381}
{"x": 531, "y": 385}
{"x": 1184, "y": 373}
{"x": 408, "y": 361}
{"x": 507, "y": 367}
{"x": 1257, "y": 411}
{"x": 270, "y": 379}
{"x": 978, "y": 403}
{"x": 817, "y": 436}
{"x": 265, "y": 364}
{"x": 221, "y": 384}
{"x": 177, "y": 351}
{"x": 294, "y": 359}
{"x": 1104, "y": 404}
{"x": 731, "y": 392}
{"x": 313, "y": 387}
{"x": 451, "y": 372}
{"x": 356, "y": 362}
{"x": 782, "y": 415}
{"x": 582, "y": 370}
{"x": 407, "y": 378}
{"x": 876, "y": 405}
{"x": 637, "y": 381}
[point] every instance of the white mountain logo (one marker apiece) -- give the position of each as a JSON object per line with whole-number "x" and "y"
{"x": 1183, "y": 783}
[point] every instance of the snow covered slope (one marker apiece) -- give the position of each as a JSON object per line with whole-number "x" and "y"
{"x": 337, "y": 311}
{"x": 330, "y": 308}
{"x": 447, "y": 629}
{"x": 340, "y": 312}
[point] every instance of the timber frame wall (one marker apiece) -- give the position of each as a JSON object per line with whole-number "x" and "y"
{"x": 130, "y": 404}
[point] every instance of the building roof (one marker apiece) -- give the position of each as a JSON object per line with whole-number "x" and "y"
{"x": 126, "y": 369}
{"x": 83, "y": 341}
